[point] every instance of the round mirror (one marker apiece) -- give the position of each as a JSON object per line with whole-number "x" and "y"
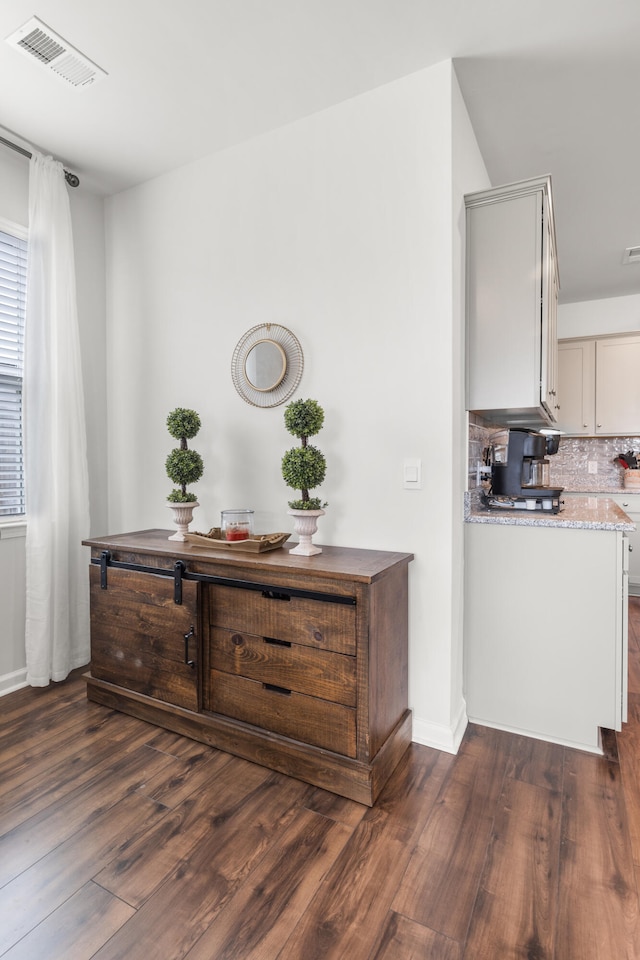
{"x": 265, "y": 365}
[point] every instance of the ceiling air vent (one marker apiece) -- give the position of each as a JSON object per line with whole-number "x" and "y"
{"x": 631, "y": 255}
{"x": 36, "y": 40}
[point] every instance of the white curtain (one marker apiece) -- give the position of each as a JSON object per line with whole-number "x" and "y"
{"x": 56, "y": 476}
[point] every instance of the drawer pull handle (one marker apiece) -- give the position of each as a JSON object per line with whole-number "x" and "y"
{"x": 187, "y": 637}
{"x": 274, "y": 689}
{"x": 275, "y": 595}
{"x": 277, "y": 643}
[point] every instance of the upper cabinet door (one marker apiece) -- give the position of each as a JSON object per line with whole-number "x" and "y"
{"x": 576, "y": 386}
{"x": 511, "y": 295}
{"x": 599, "y": 386}
{"x": 549, "y": 355}
{"x": 618, "y": 386}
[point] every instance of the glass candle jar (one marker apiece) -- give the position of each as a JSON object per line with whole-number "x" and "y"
{"x": 236, "y": 524}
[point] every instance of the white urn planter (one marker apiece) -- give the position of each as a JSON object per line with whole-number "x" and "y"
{"x": 182, "y": 517}
{"x": 305, "y": 524}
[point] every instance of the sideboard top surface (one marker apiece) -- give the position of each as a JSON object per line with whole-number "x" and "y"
{"x": 334, "y": 562}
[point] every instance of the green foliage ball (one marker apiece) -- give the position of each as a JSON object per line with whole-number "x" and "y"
{"x": 304, "y": 468}
{"x": 183, "y": 423}
{"x": 184, "y": 466}
{"x": 303, "y": 418}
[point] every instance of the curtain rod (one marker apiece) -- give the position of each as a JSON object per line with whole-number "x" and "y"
{"x": 71, "y": 178}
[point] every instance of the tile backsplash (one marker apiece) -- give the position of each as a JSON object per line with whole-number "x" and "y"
{"x": 569, "y": 468}
{"x": 479, "y": 433}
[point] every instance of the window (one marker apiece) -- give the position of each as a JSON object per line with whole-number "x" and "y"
{"x": 13, "y": 284}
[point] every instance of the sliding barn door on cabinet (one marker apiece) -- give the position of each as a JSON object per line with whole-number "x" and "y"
{"x": 141, "y": 638}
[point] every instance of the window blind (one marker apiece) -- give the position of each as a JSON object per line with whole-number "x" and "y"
{"x": 13, "y": 284}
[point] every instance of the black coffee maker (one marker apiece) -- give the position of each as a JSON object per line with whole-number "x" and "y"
{"x": 520, "y": 469}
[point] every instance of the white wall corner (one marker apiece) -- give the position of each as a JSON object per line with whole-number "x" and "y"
{"x": 438, "y": 735}
{"x": 13, "y": 681}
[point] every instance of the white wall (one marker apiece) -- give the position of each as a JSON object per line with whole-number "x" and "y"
{"x": 87, "y": 214}
{"x": 590, "y": 318}
{"x": 14, "y": 190}
{"x": 340, "y": 227}
{"x": 469, "y": 174}
{"x": 88, "y": 226}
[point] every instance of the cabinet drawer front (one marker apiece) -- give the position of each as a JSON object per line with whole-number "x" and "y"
{"x": 273, "y": 613}
{"x": 137, "y": 635}
{"x": 318, "y": 673}
{"x": 331, "y": 726}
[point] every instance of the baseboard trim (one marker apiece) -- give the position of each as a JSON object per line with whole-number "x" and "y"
{"x": 595, "y": 747}
{"x": 13, "y": 681}
{"x": 439, "y": 736}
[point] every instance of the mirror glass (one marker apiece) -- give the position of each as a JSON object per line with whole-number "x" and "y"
{"x": 265, "y": 365}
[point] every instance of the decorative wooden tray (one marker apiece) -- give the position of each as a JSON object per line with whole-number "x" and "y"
{"x": 259, "y": 543}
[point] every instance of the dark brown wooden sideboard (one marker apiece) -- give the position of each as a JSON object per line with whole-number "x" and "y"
{"x": 295, "y": 663}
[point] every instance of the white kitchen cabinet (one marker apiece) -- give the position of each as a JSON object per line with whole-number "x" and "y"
{"x": 511, "y": 297}
{"x": 618, "y": 386}
{"x": 598, "y": 386}
{"x": 549, "y": 374}
{"x": 630, "y": 503}
{"x": 577, "y": 386}
{"x": 546, "y": 656}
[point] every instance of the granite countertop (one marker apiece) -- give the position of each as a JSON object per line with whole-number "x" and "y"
{"x": 579, "y": 512}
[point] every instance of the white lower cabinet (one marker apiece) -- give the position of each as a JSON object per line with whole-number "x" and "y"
{"x": 630, "y": 503}
{"x": 546, "y": 630}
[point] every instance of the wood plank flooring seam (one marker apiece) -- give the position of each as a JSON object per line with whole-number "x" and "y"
{"x": 483, "y": 868}
{"x": 94, "y": 887}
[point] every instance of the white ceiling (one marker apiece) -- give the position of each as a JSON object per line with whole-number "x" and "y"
{"x": 550, "y": 86}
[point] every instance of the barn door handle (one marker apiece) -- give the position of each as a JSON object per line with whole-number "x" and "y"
{"x": 187, "y": 637}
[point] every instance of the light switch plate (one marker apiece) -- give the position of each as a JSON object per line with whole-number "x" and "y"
{"x": 412, "y": 474}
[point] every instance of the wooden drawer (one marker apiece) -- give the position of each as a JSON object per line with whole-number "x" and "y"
{"x": 309, "y": 719}
{"x": 137, "y": 635}
{"x": 318, "y": 673}
{"x": 324, "y": 625}
{"x": 314, "y": 685}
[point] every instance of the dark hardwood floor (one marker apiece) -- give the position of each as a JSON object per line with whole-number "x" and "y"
{"x": 120, "y": 840}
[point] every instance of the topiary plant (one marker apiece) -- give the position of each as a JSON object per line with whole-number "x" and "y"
{"x": 304, "y": 467}
{"x": 183, "y": 465}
